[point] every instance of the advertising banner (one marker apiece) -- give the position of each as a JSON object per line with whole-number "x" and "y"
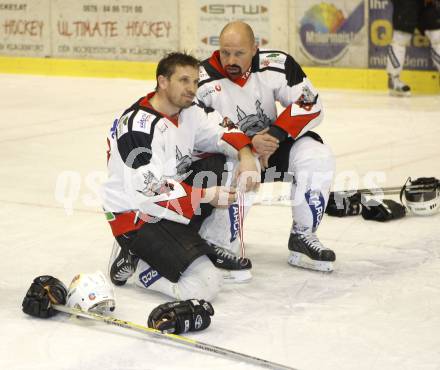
{"x": 114, "y": 29}
{"x": 330, "y": 33}
{"x": 381, "y": 34}
{"x": 25, "y": 28}
{"x": 213, "y": 15}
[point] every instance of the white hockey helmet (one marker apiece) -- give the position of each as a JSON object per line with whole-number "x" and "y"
{"x": 422, "y": 196}
{"x": 91, "y": 292}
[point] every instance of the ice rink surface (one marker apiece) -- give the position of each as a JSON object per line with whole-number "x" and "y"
{"x": 379, "y": 309}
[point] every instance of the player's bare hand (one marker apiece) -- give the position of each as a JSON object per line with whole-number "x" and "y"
{"x": 264, "y": 161}
{"x": 219, "y": 196}
{"x": 264, "y": 143}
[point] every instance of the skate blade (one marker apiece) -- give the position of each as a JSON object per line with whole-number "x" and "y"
{"x": 115, "y": 251}
{"x": 301, "y": 260}
{"x": 400, "y": 94}
{"x": 237, "y": 276}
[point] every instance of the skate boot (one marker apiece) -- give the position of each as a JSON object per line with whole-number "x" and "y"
{"x": 308, "y": 252}
{"x": 397, "y": 87}
{"x": 122, "y": 264}
{"x": 235, "y": 269}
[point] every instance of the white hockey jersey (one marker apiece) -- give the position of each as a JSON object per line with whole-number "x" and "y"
{"x": 250, "y": 100}
{"x": 149, "y": 156}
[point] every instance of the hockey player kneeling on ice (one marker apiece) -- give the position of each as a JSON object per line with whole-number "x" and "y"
{"x": 157, "y": 195}
{"x": 244, "y": 83}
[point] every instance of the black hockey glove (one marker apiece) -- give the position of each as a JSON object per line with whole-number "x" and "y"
{"x": 386, "y": 210}
{"x": 181, "y": 316}
{"x": 340, "y": 206}
{"x": 43, "y": 292}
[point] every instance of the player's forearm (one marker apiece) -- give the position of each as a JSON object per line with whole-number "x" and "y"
{"x": 245, "y": 153}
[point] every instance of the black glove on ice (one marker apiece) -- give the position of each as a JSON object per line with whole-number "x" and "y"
{"x": 181, "y": 316}
{"x": 340, "y": 206}
{"x": 384, "y": 211}
{"x": 43, "y": 292}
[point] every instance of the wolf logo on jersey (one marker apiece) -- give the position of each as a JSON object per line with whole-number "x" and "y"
{"x": 252, "y": 123}
{"x": 153, "y": 186}
{"x": 307, "y": 99}
{"x": 182, "y": 163}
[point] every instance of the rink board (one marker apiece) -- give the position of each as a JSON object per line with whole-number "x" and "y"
{"x": 425, "y": 82}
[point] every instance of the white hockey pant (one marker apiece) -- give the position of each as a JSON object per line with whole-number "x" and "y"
{"x": 201, "y": 280}
{"x": 222, "y": 227}
{"x": 313, "y": 166}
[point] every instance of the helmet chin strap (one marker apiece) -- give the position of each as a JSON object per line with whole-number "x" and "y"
{"x": 103, "y": 306}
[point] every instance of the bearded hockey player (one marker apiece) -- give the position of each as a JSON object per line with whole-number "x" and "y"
{"x": 156, "y": 197}
{"x": 244, "y": 83}
{"x": 407, "y": 16}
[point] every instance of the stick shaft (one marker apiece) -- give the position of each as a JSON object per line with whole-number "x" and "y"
{"x": 172, "y": 337}
{"x": 391, "y": 190}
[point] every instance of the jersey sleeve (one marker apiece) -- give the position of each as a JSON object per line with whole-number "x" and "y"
{"x": 141, "y": 146}
{"x": 204, "y": 93}
{"x": 303, "y": 109}
{"x": 215, "y": 134}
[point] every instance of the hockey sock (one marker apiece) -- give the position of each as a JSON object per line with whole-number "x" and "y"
{"x": 434, "y": 37}
{"x": 396, "y": 52}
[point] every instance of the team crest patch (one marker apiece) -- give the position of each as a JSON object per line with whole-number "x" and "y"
{"x": 307, "y": 99}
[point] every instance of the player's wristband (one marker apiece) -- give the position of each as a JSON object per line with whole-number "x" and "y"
{"x": 278, "y": 133}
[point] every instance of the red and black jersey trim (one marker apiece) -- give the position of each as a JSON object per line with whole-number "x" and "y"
{"x": 202, "y": 105}
{"x": 237, "y": 140}
{"x": 185, "y": 205}
{"x": 287, "y": 124}
{"x": 134, "y": 147}
{"x": 213, "y": 73}
{"x": 125, "y": 222}
{"x": 292, "y": 70}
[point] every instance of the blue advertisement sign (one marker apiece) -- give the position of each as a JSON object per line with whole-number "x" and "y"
{"x": 326, "y": 33}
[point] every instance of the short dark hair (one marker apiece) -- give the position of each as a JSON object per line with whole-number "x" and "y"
{"x": 167, "y": 65}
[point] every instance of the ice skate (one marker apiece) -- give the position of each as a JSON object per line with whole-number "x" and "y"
{"x": 308, "y": 252}
{"x": 397, "y": 87}
{"x": 235, "y": 269}
{"x": 122, "y": 264}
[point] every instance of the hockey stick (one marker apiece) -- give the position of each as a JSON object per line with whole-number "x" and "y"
{"x": 284, "y": 199}
{"x": 172, "y": 337}
{"x": 240, "y": 199}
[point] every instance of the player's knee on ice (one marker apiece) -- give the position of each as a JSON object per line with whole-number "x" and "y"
{"x": 201, "y": 280}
